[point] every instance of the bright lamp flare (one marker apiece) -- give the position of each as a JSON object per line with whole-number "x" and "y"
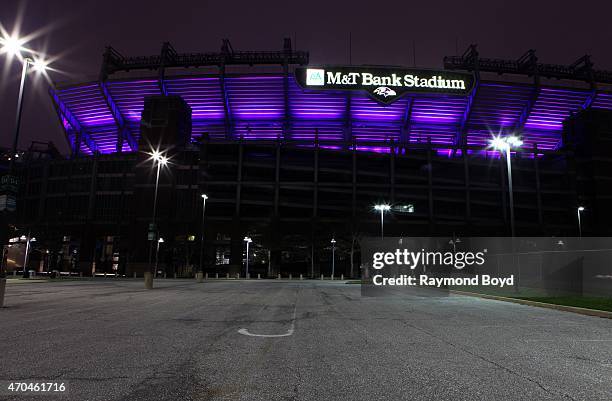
{"x": 12, "y": 45}
{"x": 39, "y": 65}
{"x": 383, "y": 208}
{"x": 505, "y": 143}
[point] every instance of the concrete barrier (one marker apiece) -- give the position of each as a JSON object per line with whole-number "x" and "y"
{"x": 148, "y": 280}
{"x": 2, "y": 289}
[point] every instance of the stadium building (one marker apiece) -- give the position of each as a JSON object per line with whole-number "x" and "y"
{"x": 293, "y": 154}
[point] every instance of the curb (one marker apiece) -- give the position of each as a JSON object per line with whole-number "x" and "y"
{"x": 565, "y": 308}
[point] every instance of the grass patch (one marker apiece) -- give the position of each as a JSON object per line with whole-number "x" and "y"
{"x": 599, "y": 303}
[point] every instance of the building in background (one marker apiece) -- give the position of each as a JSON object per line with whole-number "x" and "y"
{"x": 292, "y": 167}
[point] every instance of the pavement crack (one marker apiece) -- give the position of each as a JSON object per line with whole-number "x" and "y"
{"x": 498, "y": 365}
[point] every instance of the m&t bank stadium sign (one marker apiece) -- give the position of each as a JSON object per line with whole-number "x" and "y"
{"x": 384, "y": 84}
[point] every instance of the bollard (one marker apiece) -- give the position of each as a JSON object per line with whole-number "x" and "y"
{"x": 248, "y": 276}
{"x": 342, "y": 277}
{"x": 2, "y": 289}
{"x": 227, "y": 275}
{"x": 301, "y": 277}
{"x": 279, "y": 276}
{"x": 14, "y": 273}
{"x": 331, "y": 278}
{"x": 321, "y": 277}
{"x": 290, "y": 276}
{"x": 216, "y": 275}
{"x": 258, "y": 276}
{"x": 206, "y": 276}
{"x": 199, "y": 277}
{"x": 174, "y": 275}
{"x": 134, "y": 274}
{"x": 80, "y": 274}
{"x": 148, "y": 280}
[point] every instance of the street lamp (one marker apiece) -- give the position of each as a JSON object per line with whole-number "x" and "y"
{"x": 578, "y": 211}
{"x": 333, "y": 242}
{"x": 504, "y": 144}
{"x": 204, "y": 197}
{"x": 28, "y": 240}
{"x": 160, "y": 160}
{"x": 248, "y": 240}
{"x": 159, "y": 241}
{"x": 454, "y": 242}
{"x": 382, "y": 208}
{"x": 13, "y": 46}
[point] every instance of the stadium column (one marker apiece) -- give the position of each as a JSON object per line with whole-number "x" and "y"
{"x": 392, "y": 172}
{"x": 237, "y": 230}
{"x": 503, "y": 190}
{"x": 430, "y": 187}
{"x": 354, "y": 180}
{"x": 466, "y": 178}
{"x": 536, "y": 167}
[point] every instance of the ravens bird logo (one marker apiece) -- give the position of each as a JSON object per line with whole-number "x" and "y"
{"x": 384, "y": 91}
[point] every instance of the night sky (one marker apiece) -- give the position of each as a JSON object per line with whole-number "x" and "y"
{"x": 382, "y": 33}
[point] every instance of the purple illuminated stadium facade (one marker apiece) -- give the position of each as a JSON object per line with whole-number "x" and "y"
{"x": 270, "y": 106}
{"x": 292, "y": 167}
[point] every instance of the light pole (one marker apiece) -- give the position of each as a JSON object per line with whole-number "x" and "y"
{"x": 28, "y": 240}
{"x": 201, "y": 272}
{"x": 13, "y": 46}
{"x": 159, "y": 242}
{"x": 160, "y": 160}
{"x": 382, "y": 208}
{"x": 333, "y": 242}
{"x": 454, "y": 242}
{"x": 578, "y": 211}
{"x": 248, "y": 240}
{"x": 505, "y": 144}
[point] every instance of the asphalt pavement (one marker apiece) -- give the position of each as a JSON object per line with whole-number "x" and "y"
{"x": 293, "y": 340}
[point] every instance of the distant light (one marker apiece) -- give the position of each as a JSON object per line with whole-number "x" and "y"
{"x": 160, "y": 240}
{"x": 333, "y": 241}
{"x": 382, "y": 207}
{"x": 204, "y": 196}
{"x": 163, "y": 160}
{"x": 580, "y": 208}
{"x": 248, "y": 239}
{"x": 23, "y": 238}
{"x": 33, "y": 239}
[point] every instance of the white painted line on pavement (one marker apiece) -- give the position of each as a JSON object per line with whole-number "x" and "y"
{"x": 289, "y": 332}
